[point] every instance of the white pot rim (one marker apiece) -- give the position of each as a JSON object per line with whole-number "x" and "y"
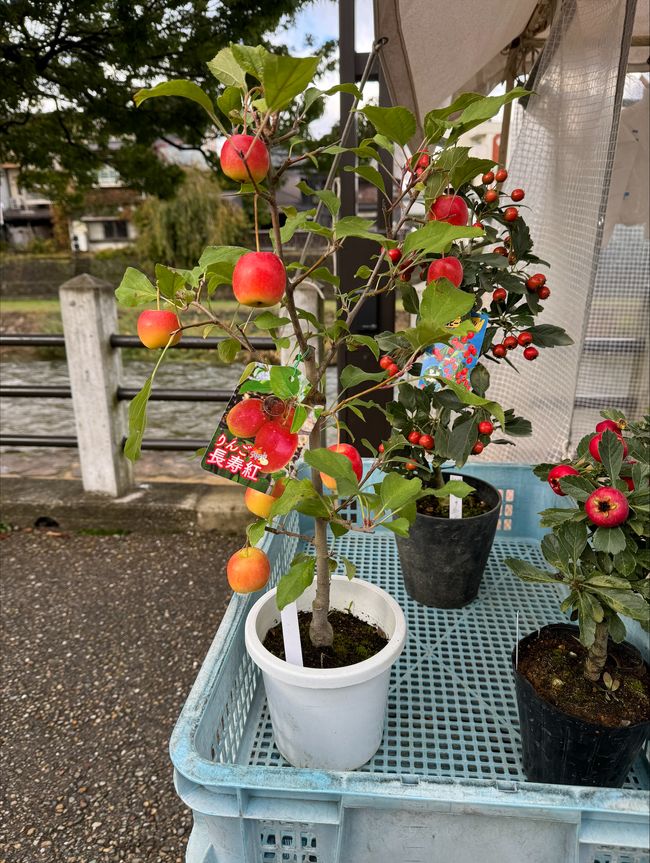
{"x": 327, "y": 678}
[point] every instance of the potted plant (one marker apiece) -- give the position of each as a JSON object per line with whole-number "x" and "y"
{"x": 328, "y": 711}
{"x": 583, "y": 693}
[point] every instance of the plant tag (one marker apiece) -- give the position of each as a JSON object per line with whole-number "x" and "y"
{"x": 455, "y": 503}
{"x": 254, "y": 438}
{"x": 457, "y": 359}
{"x": 291, "y": 634}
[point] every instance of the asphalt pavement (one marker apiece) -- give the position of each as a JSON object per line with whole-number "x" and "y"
{"x": 102, "y": 639}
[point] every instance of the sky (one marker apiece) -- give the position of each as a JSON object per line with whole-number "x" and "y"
{"x": 319, "y": 20}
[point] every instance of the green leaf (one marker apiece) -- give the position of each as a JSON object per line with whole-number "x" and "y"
{"x": 577, "y": 487}
{"x": 397, "y": 124}
{"x": 256, "y": 530}
{"x": 527, "y": 572}
{"x": 251, "y": 59}
{"x": 228, "y": 350}
{"x": 328, "y": 198}
{"x": 469, "y": 398}
{"x": 458, "y": 105}
{"x": 437, "y": 237}
{"x": 269, "y": 321}
{"x": 135, "y": 289}
{"x": 611, "y": 454}
{"x": 355, "y": 226}
{"x": 299, "y": 416}
{"x": 555, "y": 516}
{"x": 609, "y": 539}
{"x": 218, "y": 262}
{"x": 338, "y": 529}
{"x": 229, "y": 100}
{"x": 549, "y": 336}
{"x": 368, "y": 173}
{"x": 442, "y": 303}
{"x": 353, "y": 375}
{"x": 350, "y": 568}
{"x": 285, "y": 381}
{"x": 586, "y": 620}
{"x": 552, "y": 552}
{"x": 295, "y": 492}
{"x": 169, "y": 281}
{"x": 482, "y": 109}
{"x": 455, "y": 486}
{"x": 572, "y": 537}
{"x": 285, "y": 77}
{"x": 336, "y": 465}
{"x": 599, "y": 580}
{"x": 367, "y": 341}
{"x": 479, "y": 378}
{"x": 400, "y": 526}
{"x": 396, "y": 491}
{"x": 592, "y": 607}
{"x": 137, "y": 421}
{"x": 296, "y": 581}
{"x": 179, "y": 87}
{"x": 226, "y": 69}
{"x": 626, "y": 602}
{"x": 469, "y": 169}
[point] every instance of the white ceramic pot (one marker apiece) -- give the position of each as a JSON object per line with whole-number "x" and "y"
{"x": 330, "y": 718}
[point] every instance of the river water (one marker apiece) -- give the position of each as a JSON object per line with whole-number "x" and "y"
{"x": 166, "y": 419}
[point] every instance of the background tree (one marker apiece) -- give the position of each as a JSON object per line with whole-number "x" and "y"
{"x": 64, "y": 103}
{"x": 179, "y": 229}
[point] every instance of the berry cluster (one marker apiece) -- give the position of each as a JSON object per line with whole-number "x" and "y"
{"x": 524, "y": 340}
{"x": 389, "y": 365}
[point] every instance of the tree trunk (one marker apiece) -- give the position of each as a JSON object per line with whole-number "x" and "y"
{"x": 597, "y": 655}
{"x": 438, "y": 479}
{"x": 321, "y": 633}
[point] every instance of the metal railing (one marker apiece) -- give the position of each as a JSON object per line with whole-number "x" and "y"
{"x": 117, "y": 341}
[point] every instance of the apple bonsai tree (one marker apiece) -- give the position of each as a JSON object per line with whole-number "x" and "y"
{"x": 599, "y": 547}
{"x": 586, "y": 688}
{"x": 443, "y": 214}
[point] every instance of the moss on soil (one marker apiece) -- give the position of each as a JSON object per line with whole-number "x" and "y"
{"x": 354, "y": 641}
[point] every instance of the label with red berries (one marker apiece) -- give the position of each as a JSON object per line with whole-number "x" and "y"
{"x": 257, "y": 435}
{"x": 457, "y": 359}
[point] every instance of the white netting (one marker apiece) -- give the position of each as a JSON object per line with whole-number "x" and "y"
{"x": 562, "y": 156}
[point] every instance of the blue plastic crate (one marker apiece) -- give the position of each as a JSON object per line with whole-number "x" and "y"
{"x": 447, "y": 782}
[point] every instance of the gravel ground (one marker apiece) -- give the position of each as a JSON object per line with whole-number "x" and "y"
{"x": 102, "y": 638}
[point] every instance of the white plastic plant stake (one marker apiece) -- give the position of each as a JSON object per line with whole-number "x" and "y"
{"x": 291, "y": 634}
{"x": 455, "y": 503}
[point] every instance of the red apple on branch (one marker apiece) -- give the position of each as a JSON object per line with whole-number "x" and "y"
{"x": 259, "y": 502}
{"x": 248, "y": 570}
{"x": 449, "y": 208}
{"x": 446, "y": 268}
{"x": 259, "y": 279}
{"x": 257, "y": 159}
{"x": 607, "y": 507}
{"x": 556, "y": 474}
{"x": 155, "y": 326}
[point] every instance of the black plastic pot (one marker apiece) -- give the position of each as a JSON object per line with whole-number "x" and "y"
{"x": 564, "y": 750}
{"x": 443, "y": 558}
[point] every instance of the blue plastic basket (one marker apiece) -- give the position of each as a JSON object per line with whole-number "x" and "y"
{"x": 447, "y": 783}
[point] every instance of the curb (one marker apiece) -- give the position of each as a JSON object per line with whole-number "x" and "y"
{"x": 157, "y": 507}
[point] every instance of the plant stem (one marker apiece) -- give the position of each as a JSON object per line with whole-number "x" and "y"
{"x": 321, "y": 633}
{"x": 597, "y": 654}
{"x": 438, "y": 479}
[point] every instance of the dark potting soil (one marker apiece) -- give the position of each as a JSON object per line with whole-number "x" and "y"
{"x": 472, "y": 505}
{"x": 554, "y": 662}
{"x": 354, "y": 641}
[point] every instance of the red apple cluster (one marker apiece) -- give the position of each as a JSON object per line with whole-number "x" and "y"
{"x": 536, "y": 284}
{"x": 389, "y": 365}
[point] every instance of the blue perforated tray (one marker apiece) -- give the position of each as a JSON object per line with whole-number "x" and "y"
{"x": 451, "y": 732}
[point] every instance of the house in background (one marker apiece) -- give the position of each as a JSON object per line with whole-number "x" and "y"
{"x": 106, "y": 218}
{"x": 24, "y": 216}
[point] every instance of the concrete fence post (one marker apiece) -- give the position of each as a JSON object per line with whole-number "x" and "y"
{"x": 89, "y": 318}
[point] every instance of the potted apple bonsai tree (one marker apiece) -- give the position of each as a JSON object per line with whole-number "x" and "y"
{"x": 583, "y": 693}
{"x": 352, "y": 632}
